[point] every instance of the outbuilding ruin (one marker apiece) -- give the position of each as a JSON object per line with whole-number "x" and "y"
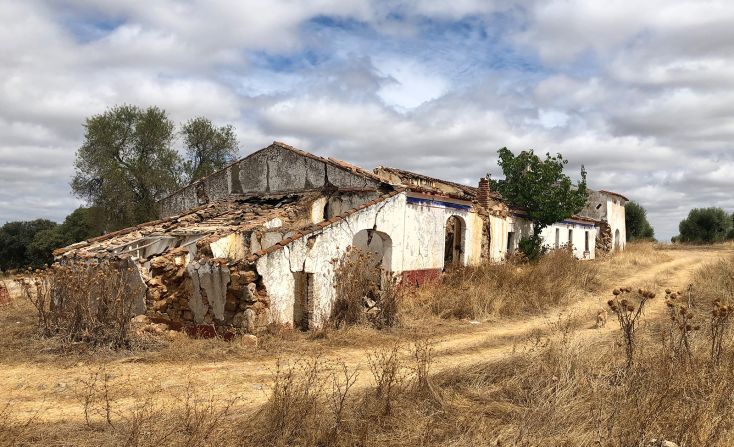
{"x": 255, "y": 243}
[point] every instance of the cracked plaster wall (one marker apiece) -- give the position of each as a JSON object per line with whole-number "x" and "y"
{"x": 417, "y": 239}
{"x": 271, "y": 170}
{"x": 209, "y": 289}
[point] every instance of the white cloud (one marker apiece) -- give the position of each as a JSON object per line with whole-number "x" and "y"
{"x": 638, "y": 92}
{"x": 411, "y": 83}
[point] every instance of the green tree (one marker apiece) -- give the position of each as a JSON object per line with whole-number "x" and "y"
{"x": 541, "y": 189}
{"x": 705, "y": 226}
{"x": 208, "y": 148}
{"x": 15, "y": 238}
{"x": 126, "y": 163}
{"x": 635, "y": 219}
{"x": 78, "y": 226}
{"x": 82, "y": 223}
{"x": 40, "y": 249}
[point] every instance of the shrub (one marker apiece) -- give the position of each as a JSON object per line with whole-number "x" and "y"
{"x": 532, "y": 247}
{"x": 365, "y": 293}
{"x": 89, "y": 303}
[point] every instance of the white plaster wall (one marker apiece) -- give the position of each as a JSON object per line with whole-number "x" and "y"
{"x": 425, "y": 235}
{"x": 579, "y": 233}
{"x": 615, "y": 218}
{"x": 417, "y": 234}
{"x": 231, "y": 246}
{"x": 498, "y": 229}
{"x": 317, "y": 209}
{"x": 319, "y": 259}
{"x": 417, "y": 238}
{"x": 523, "y": 227}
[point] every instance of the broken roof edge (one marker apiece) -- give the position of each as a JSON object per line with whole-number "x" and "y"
{"x": 612, "y": 193}
{"x": 431, "y": 193}
{"x": 398, "y": 171}
{"x": 340, "y": 164}
{"x": 313, "y": 228}
{"x": 123, "y": 231}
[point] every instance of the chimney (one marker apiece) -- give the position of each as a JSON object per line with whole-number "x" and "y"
{"x": 483, "y": 195}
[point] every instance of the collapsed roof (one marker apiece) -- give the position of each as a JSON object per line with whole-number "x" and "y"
{"x": 208, "y": 223}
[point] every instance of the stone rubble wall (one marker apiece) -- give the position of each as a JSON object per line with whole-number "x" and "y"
{"x": 207, "y": 291}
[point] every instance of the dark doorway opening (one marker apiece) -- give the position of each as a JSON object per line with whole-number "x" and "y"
{"x": 303, "y": 306}
{"x": 454, "y": 242}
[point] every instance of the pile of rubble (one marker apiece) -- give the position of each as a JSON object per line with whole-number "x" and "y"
{"x": 191, "y": 271}
{"x": 604, "y": 238}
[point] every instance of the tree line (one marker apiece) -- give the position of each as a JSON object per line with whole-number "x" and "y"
{"x": 130, "y": 158}
{"x": 701, "y": 226}
{"x": 706, "y": 226}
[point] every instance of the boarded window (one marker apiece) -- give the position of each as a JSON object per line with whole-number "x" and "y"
{"x": 304, "y": 300}
{"x": 558, "y": 237}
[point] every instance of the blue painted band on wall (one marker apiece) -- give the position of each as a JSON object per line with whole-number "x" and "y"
{"x": 568, "y": 222}
{"x": 439, "y": 203}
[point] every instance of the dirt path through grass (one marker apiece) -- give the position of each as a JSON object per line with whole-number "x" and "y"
{"x": 51, "y": 390}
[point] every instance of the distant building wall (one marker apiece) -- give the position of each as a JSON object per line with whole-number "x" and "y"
{"x": 570, "y": 231}
{"x": 608, "y": 207}
{"x": 274, "y": 169}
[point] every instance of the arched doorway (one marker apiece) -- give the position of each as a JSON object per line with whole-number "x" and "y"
{"x": 378, "y": 245}
{"x": 453, "y": 242}
{"x": 617, "y": 242}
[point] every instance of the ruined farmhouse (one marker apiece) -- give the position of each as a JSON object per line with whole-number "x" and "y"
{"x": 256, "y": 242}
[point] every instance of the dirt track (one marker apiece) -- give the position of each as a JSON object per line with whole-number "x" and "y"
{"x": 50, "y": 390}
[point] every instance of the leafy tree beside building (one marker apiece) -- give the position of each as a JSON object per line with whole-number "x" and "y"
{"x": 128, "y": 161}
{"x": 635, "y": 219}
{"x": 208, "y": 148}
{"x": 540, "y": 188}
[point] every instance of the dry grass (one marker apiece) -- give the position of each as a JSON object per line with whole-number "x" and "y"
{"x": 507, "y": 289}
{"x": 715, "y": 280}
{"x": 635, "y": 255}
{"x": 569, "y": 390}
{"x": 568, "y": 393}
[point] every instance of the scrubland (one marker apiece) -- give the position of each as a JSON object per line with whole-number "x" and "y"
{"x": 496, "y": 355}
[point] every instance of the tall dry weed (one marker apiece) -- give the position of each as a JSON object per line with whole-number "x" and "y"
{"x": 507, "y": 289}
{"x": 91, "y": 304}
{"x": 365, "y": 293}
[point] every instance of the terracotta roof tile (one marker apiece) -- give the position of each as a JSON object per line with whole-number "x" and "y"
{"x": 237, "y": 213}
{"x": 326, "y": 223}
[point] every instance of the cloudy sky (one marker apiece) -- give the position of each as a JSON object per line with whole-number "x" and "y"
{"x": 640, "y": 92}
